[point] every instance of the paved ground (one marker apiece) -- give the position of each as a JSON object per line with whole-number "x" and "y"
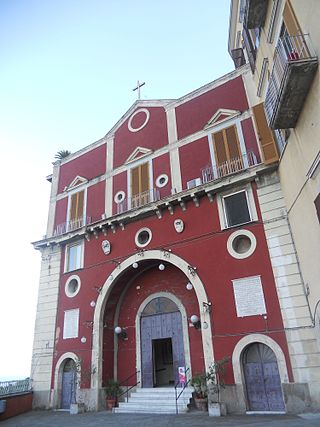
{"x": 107, "y": 419}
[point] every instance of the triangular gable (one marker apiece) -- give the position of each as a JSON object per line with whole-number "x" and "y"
{"x": 76, "y": 182}
{"x": 222, "y": 115}
{"x": 138, "y": 153}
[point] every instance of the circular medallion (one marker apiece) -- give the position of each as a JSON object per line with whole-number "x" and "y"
{"x": 143, "y": 111}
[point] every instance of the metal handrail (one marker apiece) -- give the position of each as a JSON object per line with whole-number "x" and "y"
{"x": 15, "y": 387}
{"x": 138, "y": 200}
{"x": 127, "y": 385}
{"x": 183, "y": 388}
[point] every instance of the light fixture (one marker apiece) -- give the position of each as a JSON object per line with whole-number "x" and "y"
{"x": 195, "y": 321}
{"x": 161, "y": 267}
{"x": 121, "y": 333}
{"x": 189, "y": 286}
{"x": 135, "y": 265}
{"x": 92, "y": 303}
{"x": 83, "y": 340}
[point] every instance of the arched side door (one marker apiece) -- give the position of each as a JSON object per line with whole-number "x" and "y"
{"x": 262, "y": 379}
{"x": 68, "y": 384}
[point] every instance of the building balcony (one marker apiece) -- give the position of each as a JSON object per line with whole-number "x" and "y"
{"x": 229, "y": 167}
{"x": 295, "y": 64}
{"x": 255, "y": 13}
{"x": 138, "y": 200}
{"x": 72, "y": 225}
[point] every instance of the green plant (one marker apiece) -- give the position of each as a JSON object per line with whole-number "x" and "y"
{"x": 215, "y": 377}
{"x": 113, "y": 389}
{"x": 199, "y": 382}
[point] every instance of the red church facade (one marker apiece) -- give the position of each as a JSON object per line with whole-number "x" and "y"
{"x": 156, "y": 255}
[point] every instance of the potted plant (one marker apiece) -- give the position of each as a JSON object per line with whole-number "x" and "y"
{"x": 112, "y": 392}
{"x": 199, "y": 383}
{"x": 215, "y": 377}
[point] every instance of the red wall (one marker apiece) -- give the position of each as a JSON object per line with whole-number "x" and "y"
{"x": 250, "y": 137}
{"x": 193, "y": 115}
{"x": 161, "y": 165}
{"x": 95, "y": 201}
{"x": 88, "y": 165}
{"x": 194, "y": 157}
{"x": 16, "y": 405}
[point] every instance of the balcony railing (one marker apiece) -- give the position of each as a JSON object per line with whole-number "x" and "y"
{"x": 15, "y": 387}
{"x": 229, "y": 167}
{"x": 74, "y": 224}
{"x": 294, "y": 66}
{"x": 139, "y": 200}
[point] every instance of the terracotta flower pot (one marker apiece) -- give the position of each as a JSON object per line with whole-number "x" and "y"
{"x": 111, "y": 403}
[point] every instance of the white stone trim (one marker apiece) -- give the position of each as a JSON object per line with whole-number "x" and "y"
{"x": 257, "y": 338}
{"x": 57, "y": 386}
{"x": 136, "y": 240}
{"x": 147, "y": 113}
{"x": 236, "y": 234}
{"x": 184, "y": 319}
{"x": 97, "y": 337}
{"x": 108, "y": 177}
{"x": 66, "y": 290}
{"x": 166, "y": 178}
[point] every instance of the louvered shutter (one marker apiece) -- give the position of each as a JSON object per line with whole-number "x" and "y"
{"x": 73, "y": 207}
{"x": 232, "y": 142}
{"x": 266, "y": 141}
{"x": 144, "y": 177}
{"x": 135, "y": 181}
{"x": 80, "y": 204}
{"x": 219, "y": 148}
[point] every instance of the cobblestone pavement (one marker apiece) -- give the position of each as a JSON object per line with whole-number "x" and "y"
{"x": 107, "y": 419}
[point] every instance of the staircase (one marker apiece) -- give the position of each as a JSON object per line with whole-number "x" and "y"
{"x": 155, "y": 401}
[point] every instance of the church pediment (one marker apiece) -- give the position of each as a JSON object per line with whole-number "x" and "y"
{"x": 138, "y": 153}
{"x": 222, "y": 115}
{"x": 76, "y": 182}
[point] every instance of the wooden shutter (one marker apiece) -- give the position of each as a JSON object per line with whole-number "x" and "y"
{"x": 266, "y": 141}
{"x": 290, "y": 20}
{"x": 226, "y": 145}
{"x": 77, "y": 205}
{"x": 232, "y": 142}
{"x": 140, "y": 179}
{"x": 219, "y": 148}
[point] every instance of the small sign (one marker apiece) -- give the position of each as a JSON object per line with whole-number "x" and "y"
{"x": 106, "y": 247}
{"x": 182, "y": 374}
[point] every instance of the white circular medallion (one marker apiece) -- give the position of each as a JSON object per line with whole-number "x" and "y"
{"x": 162, "y": 180}
{"x": 141, "y": 110}
{"x": 143, "y": 237}
{"x": 72, "y": 286}
{"x": 119, "y": 196}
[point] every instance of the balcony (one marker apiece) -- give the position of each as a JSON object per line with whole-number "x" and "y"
{"x": 138, "y": 200}
{"x": 255, "y": 13}
{"x": 229, "y": 167}
{"x": 294, "y": 67}
{"x": 72, "y": 225}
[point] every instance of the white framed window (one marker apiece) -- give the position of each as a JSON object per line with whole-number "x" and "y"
{"x": 72, "y": 286}
{"x": 143, "y": 237}
{"x": 119, "y": 197}
{"x": 241, "y": 244}
{"x": 74, "y": 257}
{"x": 71, "y": 324}
{"x": 237, "y": 207}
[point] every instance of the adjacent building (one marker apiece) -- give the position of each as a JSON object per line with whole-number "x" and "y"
{"x": 280, "y": 41}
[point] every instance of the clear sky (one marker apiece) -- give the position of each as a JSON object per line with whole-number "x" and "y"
{"x": 67, "y": 70}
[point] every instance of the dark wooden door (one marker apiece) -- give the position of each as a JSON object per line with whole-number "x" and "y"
{"x": 159, "y": 326}
{"x": 262, "y": 378}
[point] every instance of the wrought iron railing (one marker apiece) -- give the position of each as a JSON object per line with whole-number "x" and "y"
{"x": 289, "y": 50}
{"x": 74, "y": 224}
{"x": 229, "y": 167}
{"x": 124, "y": 384}
{"x": 184, "y": 386}
{"x": 15, "y": 387}
{"x": 139, "y": 200}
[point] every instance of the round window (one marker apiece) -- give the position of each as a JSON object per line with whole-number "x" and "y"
{"x": 72, "y": 286}
{"x": 162, "y": 180}
{"x": 241, "y": 244}
{"x": 143, "y": 237}
{"x": 119, "y": 197}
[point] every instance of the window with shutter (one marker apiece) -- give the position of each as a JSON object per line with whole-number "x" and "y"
{"x": 227, "y": 151}
{"x": 266, "y": 141}
{"x": 140, "y": 188}
{"x": 76, "y": 212}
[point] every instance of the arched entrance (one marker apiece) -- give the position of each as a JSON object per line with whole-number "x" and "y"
{"x": 68, "y": 389}
{"x": 162, "y": 347}
{"x": 262, "y": 379}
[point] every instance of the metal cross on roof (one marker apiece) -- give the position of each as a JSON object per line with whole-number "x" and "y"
{"x": 139, "y": 85}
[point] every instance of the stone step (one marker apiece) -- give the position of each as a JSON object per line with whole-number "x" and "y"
{"x": 150, "y": 409}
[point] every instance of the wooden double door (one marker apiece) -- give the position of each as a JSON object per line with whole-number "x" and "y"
{"x": 162, "y": 349}
{"x": 263, "y": 384}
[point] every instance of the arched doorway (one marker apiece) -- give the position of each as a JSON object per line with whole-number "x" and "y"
{"x": 162, "y": 347}
{"x": 262, "y": 379}
{"x": 68, "y": 389}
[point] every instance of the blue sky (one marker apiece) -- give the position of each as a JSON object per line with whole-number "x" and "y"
{"x": 67, "y": 70}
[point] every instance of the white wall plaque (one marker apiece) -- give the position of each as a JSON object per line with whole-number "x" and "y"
{"x": 106, "y": 247}
{"x": 71, "y": 324}
{"x": 248, "y": 295}
{"x": 178, "y": 225}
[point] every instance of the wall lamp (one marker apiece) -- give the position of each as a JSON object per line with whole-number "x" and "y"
{"x": 207, "y": 306}
{"x": 121, "y": 333}
{"x": 195, "y": 321}
{"x": 192, "y": 270}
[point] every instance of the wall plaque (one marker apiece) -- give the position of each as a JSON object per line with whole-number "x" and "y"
{"x": 106, "y": 247}
{"x": 248, "y": 295}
